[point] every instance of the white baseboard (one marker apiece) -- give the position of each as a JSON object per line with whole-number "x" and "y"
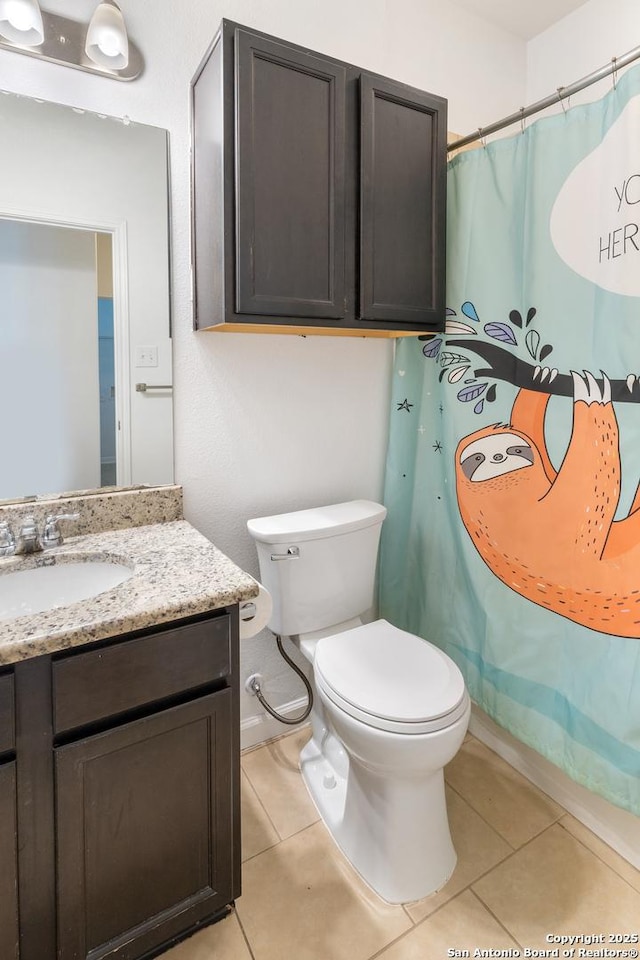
{"x": 618, "y": 828}
{"x": 261, "y": 727}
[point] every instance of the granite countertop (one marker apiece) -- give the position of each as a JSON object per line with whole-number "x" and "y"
{"x": 177, "y": 573}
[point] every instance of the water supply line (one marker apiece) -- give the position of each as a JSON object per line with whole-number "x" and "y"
{"x": 253, "y": 686}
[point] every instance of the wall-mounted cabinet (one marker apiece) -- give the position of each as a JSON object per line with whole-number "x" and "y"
{"x": 318, "y": 194}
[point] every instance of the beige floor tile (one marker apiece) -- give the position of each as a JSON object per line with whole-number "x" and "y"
{"x": 258, "y": 833}
{"x": 274, "y": 775}
{"x": 221, "y": 940}
{"x": 303, "y": 900}
{"x": 507, "y": 800}
{"x": 602, "y": 850}
{"x": 463, "y": 924}
{"x": 555, "y": 885}
{"x": 479, "y": 848}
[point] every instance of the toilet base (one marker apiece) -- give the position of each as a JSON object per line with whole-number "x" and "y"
{"x": 394, "y": 832}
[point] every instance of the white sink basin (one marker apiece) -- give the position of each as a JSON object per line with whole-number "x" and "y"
{"x": 41, "y": 588}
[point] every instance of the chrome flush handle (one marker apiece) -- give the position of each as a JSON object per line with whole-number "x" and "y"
{"x": 51, "y": 536}
{"x": 293, "y": 553}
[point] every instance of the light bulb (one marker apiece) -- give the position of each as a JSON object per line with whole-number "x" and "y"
{"x": 107, "y": 43}
{"x": 21, "y": 22}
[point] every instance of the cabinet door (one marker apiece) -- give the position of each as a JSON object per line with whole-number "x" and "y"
{"x": 8, "y": 864}
{"x": 145, "y": 824}
{"x": 402, "y": 203}
{"x": 290, "y": 116}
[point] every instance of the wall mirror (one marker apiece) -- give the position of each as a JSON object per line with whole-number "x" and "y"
{"x": 85, "y": 339}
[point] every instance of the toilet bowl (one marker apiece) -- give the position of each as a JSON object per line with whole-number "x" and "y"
{"x": 391, "y": 709}
{"x": 398, "y": 725}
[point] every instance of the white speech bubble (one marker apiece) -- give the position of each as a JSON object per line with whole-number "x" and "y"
{"x": 595, "y": 221}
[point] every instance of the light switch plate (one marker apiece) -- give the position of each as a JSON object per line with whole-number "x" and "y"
{"x": 146, "y": 356}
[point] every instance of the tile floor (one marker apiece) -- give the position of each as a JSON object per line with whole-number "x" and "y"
{"x": 526, "y": 868}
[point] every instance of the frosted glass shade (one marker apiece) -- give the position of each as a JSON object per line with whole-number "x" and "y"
{"x": 107, "y": 43}
{"x": 21, "y": 22}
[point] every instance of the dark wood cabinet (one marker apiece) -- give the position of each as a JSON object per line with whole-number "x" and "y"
{"x": 122, "y": 788}
{"x": 8, "y": 863}
{"x": 144, "y": 845}
{"x": 8, "y": 822}
{"x": 319, "y": 194}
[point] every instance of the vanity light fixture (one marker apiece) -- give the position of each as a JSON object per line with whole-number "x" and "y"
{"x": 21, "y": 22}
{"x": 102, "y": 48}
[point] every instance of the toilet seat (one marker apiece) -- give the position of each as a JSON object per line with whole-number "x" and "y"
{"x": 390, "y": 679}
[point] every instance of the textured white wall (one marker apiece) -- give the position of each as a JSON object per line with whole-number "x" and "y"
{"x": 605, "y": 28}
{"x": 271, "y": 423}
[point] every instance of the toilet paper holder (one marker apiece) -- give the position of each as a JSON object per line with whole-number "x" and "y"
{"x": 248, "y": 610}
{"x": 255, "y": 613}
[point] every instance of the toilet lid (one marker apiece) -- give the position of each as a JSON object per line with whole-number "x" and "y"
{"x": 390, "y": 679}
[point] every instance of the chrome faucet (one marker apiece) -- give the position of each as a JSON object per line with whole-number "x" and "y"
{"x": 28, "y": 540}
{"x": 7, "y": 540}
{"x": 51, "y": 536}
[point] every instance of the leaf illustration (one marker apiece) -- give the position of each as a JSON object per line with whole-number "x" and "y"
{"x": 516, "y": 318}
{"x": 500, "y": 331}
{"x": 491, "y": 393}
{"x": 449, "y": 312}
{"x": 432, "y": 349}
{"x": 470, "y": 311}
{"x": 455, "y": 326}
{"x": 531, "y": 312}
{"x": 546, "y": 350}
{"x": 532, "y": 341}
{"x": 446, "y": 359}
{"x": 467, "y": 394}
{"x": 479, "y": 406}
{"x": 457, "y": 374}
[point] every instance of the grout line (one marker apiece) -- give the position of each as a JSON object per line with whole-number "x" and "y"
{"x": 598, "y": 857}
{"x": 244, "y": 934}
{"x": 484, "y": 819}
{"x": 496, "y": 918}
{"x": 495, "y": 829}
{"x": 266, "y": 812}
{"x": 404, "y": 907}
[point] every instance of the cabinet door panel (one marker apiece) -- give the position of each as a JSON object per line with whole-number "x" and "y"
{"x": 403, "y": 192}
{"x": 144, "y": 844}
{"x": 8, "y": 864}
{"x": 290, "y": 115}
{"x": 7, "y": 719}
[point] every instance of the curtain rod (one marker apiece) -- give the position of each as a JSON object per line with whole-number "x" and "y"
{"x": 562, "y": 93}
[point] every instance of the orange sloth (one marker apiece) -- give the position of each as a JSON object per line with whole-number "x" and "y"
{"x": 549, "y": 536}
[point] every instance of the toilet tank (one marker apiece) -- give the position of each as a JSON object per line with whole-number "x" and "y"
{"x": 319, "y": 565}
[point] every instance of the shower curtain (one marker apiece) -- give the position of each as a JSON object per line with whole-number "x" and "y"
{"x": 513, "y": 534}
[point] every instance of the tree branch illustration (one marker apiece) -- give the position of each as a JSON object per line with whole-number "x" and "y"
{"x": 504, "y": 365}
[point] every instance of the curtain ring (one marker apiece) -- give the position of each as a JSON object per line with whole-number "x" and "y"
{"x": 614, "y": 71}
{"x": 522, "y": 119}
{"x": 560, "y": 98}
{"x": 482, "y": 138}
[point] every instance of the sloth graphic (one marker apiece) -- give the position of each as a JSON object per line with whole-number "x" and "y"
{"x": 551, "y": 536}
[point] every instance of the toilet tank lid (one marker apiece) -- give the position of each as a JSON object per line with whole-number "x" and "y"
{"x": 318, "y": 522}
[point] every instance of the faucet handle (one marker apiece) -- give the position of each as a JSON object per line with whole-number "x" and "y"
{"x": 7, "y": 540}
{"x": 51, "y": 536}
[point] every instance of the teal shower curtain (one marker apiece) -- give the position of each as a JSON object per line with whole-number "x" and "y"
{"x": 513, "y": 534}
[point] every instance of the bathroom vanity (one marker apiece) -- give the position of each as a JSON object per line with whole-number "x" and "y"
{"x": 119, "y": 753}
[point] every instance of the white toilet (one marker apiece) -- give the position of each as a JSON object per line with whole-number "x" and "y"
{"x": 390, "y": 709}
